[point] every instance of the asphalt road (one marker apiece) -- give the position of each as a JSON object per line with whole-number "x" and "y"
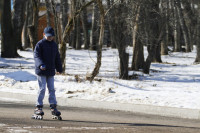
{"x": 16, "y": 118}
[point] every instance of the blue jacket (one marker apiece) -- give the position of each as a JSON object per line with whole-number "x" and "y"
{"x": 46, "y": 53}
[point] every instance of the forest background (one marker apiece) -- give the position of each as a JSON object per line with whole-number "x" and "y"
{"x": 98, "y": 24}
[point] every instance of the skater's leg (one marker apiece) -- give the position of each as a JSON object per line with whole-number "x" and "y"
{"x": 50, "y": 86}
{"x": 38, "y": 110}
{"x": 42, "y": 89}
{"x": 52, "y": 98}
{"x": 38, "y": 113}
{"x": 54, "y": 110}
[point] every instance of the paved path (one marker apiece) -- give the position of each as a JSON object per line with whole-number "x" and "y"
{"x": 15, "y": 118}
{"x": 134, "y": 108}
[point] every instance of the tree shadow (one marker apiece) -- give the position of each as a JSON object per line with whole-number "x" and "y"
{"x": 122, "y": 85}
{"x": 22, "y": 76}
{"x": 125, "y": 124}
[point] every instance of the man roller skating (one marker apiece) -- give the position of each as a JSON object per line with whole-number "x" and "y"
{"x": 47, "y": 61}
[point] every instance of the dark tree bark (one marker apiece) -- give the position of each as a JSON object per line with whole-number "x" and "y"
{"x": 56, "y": 22}
{"x": 18, "y": 21}
{"x": 120, "y": 39}
{"x": 183, "y": 26}
{"x": 100, "y": 44}
{"x": 78, "y": 28}
{"x": 165, "y": 23}
{"x": 33, "y": 28}
{"x": 85, "y": 27}
{"x": 8, "y": 49}
{"x": 66, "y": 34}
{"x": 95, "y": 29}
{"x": 64, "y": 14}
{"x": 48, "y": 14}
{"x": 78, "y": 33}
{"x": 176, "y": 29}
{"x": 153, "y": 33}
{"x": 1, "y": 7}
{"x": 197, "y": 60}
{"x": 191, "y": 20}
{"x": 111, "y": 19}
{"x": 25, "y": 37}
{"x": 73, "y": 34}
{"x": 138, "y": 54}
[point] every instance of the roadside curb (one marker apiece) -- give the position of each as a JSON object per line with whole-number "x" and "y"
{"x": 135, "y": 108}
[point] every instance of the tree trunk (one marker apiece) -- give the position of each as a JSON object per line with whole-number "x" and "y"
{"x": 120, "y": 39}
{"x": 18, "y": 21}
{"x": 85, "y": 27}
{"x": 176, "y": 29}
{"x": 111, "y": 22}
{"x": 33, "y": 29}
{"x": 56, "y": 26}
{"x": 183, "y": 26}
{"x": 101, "y": 37}
{"x": 153, "y": 33}
{"x": 8, "y": 49}
{"x": 28, "y": 21}
{"x": 48, "y": 14}
{"x": 165, "y": 20}
{"x": 64, "y": 14}
{"x": 73, "y": 34}
{"x": 78, "y": 33}
{"x": 95, "y": 29}
{"x": 1, "y": 7}
{"x": 191, "y": 21}
{"x": 197, "y": 60}
{"x": 25, "y": 32}
{"x": 66, "y": 34}
{"x": 138, "y": 54}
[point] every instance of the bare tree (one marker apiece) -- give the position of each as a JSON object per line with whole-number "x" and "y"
{"x": 8, "y": 49}
{"x": 183, "y": 25}
{"x": 64, "y": 13}
{"x": 165, "y": 21}
{"x": 197, "y": 60}
{"x": 111, "y": 19}
{"x": 100, "y": 44}
{"x": 84, "y": 21}
{"x": 18, "y": 21}
{"x": 25, "y": 37}
{"x": 78, "y": 28}
{"x": 48, "y": 14}
{"x": 56, "y": 22}
{"x": 138, "y": 54}
{"x": 154, "y": 36}
{"x": 67, "y": 31}
{"x": 176, "y": 28}
{"x": 191, "y": 20}
{"x": 73, "y": 33}
{"x": 121, "y": 34}
{"x": 33, "y": 28}
{"x": 1, "y": 7}
{"x": 95, "y": 29}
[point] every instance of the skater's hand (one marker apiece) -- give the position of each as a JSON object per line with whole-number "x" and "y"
{"x": 43, "y": 67}
{"x": 58, "y": 73}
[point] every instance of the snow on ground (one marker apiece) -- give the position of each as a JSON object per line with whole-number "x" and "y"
{"x": 174, "y": 83}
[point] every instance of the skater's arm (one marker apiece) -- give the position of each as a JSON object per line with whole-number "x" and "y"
{"x": 58, "y": 62}
{"x": 38, "y": 55}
